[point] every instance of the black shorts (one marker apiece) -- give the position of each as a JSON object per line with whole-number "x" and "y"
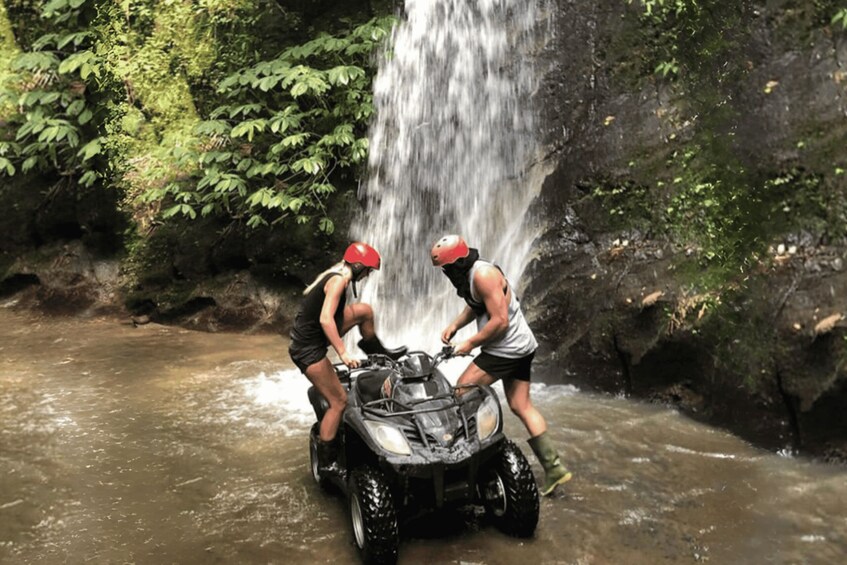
{"x": 503, "y": 368}
{"x": 305, "y": 355}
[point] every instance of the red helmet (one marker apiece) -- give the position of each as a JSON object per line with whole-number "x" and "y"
{"x": 364, "y": 254}
{"x": 448, "y": 249}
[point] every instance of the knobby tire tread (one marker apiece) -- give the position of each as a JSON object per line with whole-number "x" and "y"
{"x": 521, "y": 517}
{"x": 378, "y": 514}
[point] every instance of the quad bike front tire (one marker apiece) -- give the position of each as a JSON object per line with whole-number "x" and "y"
{"x": 510, "y": 494}
{"x": 373, "y": 516}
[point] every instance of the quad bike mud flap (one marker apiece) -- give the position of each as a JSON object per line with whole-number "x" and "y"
{"x": 453, "y": 478}
{"x": 454, "y": 484}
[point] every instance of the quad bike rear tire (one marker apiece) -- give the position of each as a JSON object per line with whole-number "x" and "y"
{"x": 373, "y": 516}
{"x": 510, "y": 494}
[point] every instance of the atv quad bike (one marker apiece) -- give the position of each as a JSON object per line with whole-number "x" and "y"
{"x": 410, "y": 443}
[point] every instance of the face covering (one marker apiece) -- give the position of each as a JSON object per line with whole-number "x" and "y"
{"x": 458, "y": 272}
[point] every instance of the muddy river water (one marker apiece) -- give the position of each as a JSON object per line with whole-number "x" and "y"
{"x": 159, "y": 445}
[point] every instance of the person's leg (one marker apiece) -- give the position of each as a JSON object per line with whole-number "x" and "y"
{"x": 323, "y": 377}
{"x": 474, "y": 375}
{"x": 517, "y": 394}
{"x": 362, "y": 315}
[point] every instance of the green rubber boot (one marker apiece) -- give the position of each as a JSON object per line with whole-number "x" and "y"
{"x": 554, "y": 472}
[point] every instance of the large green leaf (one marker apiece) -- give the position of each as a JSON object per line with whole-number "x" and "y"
{"x": 91, "y": 149}
{"x": 37, "y": 61}
{"x": 77, "y": 60}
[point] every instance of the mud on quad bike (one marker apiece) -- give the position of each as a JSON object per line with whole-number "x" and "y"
{"x": 410, "y": 443}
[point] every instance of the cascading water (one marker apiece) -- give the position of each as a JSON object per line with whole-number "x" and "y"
{"x": 450, "y": 150}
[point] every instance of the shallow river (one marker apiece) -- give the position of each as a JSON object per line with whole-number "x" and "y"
{"x": 155, "y": 444}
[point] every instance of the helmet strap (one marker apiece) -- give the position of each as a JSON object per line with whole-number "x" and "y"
{"x": 358, "y": 270}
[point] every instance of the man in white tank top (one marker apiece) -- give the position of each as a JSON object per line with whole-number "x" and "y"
{"x": 507, "y": 342}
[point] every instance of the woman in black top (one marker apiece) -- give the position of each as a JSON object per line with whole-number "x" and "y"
{"x": 323, "y": 318}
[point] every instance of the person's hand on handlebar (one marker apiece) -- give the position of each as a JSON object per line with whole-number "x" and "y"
{"x": 349, "y": 361}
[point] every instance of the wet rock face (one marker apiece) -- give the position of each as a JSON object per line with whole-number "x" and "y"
{"x": 755, "y": 365}
{"x": 67, "y": 279}
{"x": 67, "y": 256}
{"x": 766, "y": 357}
{"x": 62, "y": 279}
{"x": 181, "y": 280}
{"x": 233, "y": 301}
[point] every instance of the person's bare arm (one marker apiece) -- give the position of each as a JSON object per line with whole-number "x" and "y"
{"x": 463, "y": 319}
{"x": 333, "y": 290}
{"x": 489, "y": 283}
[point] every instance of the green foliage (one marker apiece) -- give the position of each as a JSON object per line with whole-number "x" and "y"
{"x": 708, "y": 205}
{"x": 810, "y": 201}
{"x": 666, "y": 68}
{"x": 628, "y": 204}
{"x": 676, "y": 20}
{"x": 154, "y": 52}
{"x": 663, "y": 9}
{"x": 725, "y": 210}
{"x": 708, "y": 200}
{"x": 106, "y": 94}
{"x": 713, "y": 207}
{"x": 289, "y": 126}
{"x": 687, "y": 36}
{"x": 51, "y": 122}
{"x": 684, "y": 35}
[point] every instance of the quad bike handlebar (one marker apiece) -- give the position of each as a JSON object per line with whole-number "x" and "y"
{"x": 447, "y": 352}
{"x": 375, "y": 361}
{"x": 405, "y": 371}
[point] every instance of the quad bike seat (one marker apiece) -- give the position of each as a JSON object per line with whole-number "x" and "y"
{"x": 369, "y": 385}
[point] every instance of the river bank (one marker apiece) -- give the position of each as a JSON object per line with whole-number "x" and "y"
{"x": 613, "y": 342}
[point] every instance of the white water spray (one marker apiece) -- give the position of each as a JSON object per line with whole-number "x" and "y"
{"x": 450, "y": 152}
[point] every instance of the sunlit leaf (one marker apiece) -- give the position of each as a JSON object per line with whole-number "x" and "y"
{"x": 326, "y": 225}
{"x": 90, "y": 149}
{"x": 7, "y": 166}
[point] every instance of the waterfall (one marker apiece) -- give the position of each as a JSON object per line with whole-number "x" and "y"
{"x": 450, "y": 148}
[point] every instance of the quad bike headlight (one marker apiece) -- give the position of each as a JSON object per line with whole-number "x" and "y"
{"x": 487, "y": 418}
{"x": 388, "y": 437}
